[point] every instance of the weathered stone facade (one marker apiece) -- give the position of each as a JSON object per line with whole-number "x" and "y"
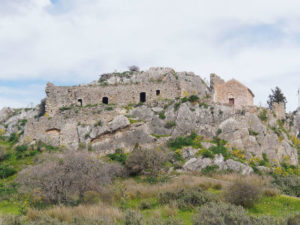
{"x": 231, "y": 92}
{"x": 126, "y": 88}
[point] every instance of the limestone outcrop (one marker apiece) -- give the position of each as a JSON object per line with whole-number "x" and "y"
{"x": 103, "y": 127}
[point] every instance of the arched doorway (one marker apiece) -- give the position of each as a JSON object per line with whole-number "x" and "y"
{"x": 143, "y": 97}
{"x": 105, "y": 100}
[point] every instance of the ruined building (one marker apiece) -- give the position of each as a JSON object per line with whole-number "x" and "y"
{"x": 126, "y": 88}
{"x": 231, "y": 92}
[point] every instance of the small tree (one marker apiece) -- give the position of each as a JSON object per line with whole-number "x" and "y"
{"x": 134, "y": 68}
{"x": 42, "y": 107}
{"x": 242, "y": 193}
{"x": 276, "y": 97}
{"x": 72, "y": 175}
{"x": 145, "y": 161}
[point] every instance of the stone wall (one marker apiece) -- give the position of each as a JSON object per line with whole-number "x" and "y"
{"x": 279, "y": 110}
{"x": 126, "y": 88}
{"x": 233, "y": 89}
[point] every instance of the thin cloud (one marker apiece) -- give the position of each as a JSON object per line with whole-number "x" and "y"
{"x": 73, "y": 41}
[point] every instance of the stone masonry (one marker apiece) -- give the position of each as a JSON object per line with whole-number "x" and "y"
{"x": 126, "y": 88}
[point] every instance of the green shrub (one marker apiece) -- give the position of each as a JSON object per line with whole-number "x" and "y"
{"x": 193, "y": 98}
{"x": 253, "y": 133}
{"x": 185, "y": 99}
{"x": 221, "y": 149}
{"x": 146, "y": 204}
{"x": 162, "y": 115}
{"x": 263, "y": 115}
{"x": 118, "y": 156}
{"x": 210, "y": 169}
{"x": 186, "y": 198}
{"x": 6, "y": 171}
{"x": 180, "y": 142}
{"x": 176, "y": 106}
{"x": 265, "y": 220}
{"x": 288, "y": 185}
{"x": 221, "y": 214}
{"x": 243, "y": 193}
{"x": 207, "y": 154}
{"x": 170, "y": 124}
{"x": 133, "y": 218}
{"x": 21, "y": 148}
{"x": 13, "y": 138}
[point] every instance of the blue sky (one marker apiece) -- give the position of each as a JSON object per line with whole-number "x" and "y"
{"x": 74, "y": 41}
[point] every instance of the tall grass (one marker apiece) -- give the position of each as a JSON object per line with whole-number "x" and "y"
{"x": 67, "y": 214}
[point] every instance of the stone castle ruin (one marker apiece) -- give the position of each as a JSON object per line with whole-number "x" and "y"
{"x": 126, "y": 88}
{"x": 149, "y": 107}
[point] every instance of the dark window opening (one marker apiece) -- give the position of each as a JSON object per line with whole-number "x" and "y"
{"x": 157, "y": 92}
{"x": 105, "y": 100}
{"x": 143, "y": 97}
{"x": 231, "y": 101}
{"x": 80, "y": 102}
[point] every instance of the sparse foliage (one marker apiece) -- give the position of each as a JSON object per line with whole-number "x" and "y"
{"x": 145, "y": 161}
{"x": 134, "y": 68}
{"x": 243, "y": 193}
{"x": 72, "y": 175}
{"x": 276, "y": 97}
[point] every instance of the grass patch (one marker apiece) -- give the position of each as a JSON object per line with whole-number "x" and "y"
{"x": 7, "y": 207}
{"x": 279, "y": 206}
{"x": 191, "y": 140}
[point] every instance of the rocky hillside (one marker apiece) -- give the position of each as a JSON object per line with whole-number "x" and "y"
{"x": 252, "y": 135}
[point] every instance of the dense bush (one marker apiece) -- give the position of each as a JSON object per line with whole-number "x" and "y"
{"x": 13, "y": 137}
{"x": 118, "y": 156}
{"x": 221, "y": 214}
{"x": 6, "y": 171}
{"x": 133, "y": 218}
{"x": 145, "y": 161}
{"x": 186, "y": 198}
{"x": 243, "y": 193}
{"x": 180, "y": 142}
{"x": 225, "y": 214}
{"x": 288, "y": 185}
{"x": 63, "y": 179}
{"x": 193, "y": 98}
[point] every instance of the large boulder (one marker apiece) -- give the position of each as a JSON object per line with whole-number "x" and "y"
{"x": 235, "y": 166}
{"x": 119, "y": 122}
{"x": 198, "y": 164}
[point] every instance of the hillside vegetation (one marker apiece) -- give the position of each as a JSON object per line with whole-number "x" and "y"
{"x": 173, "y": 162}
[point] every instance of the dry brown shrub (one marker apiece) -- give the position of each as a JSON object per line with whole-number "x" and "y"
{"x": 67, "y": 214}
{"x": 143, "y": 190}
{"x": 262, "y": 181}
{"x": 271, "y": 192}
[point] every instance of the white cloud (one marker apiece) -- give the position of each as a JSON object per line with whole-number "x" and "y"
{"x": 76, "y": 40}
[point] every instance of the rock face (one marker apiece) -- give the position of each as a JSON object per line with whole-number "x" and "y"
{"x": 153, "y": 124}
{"x": 198, "y": 164}
{"x": 165, "y": 114}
